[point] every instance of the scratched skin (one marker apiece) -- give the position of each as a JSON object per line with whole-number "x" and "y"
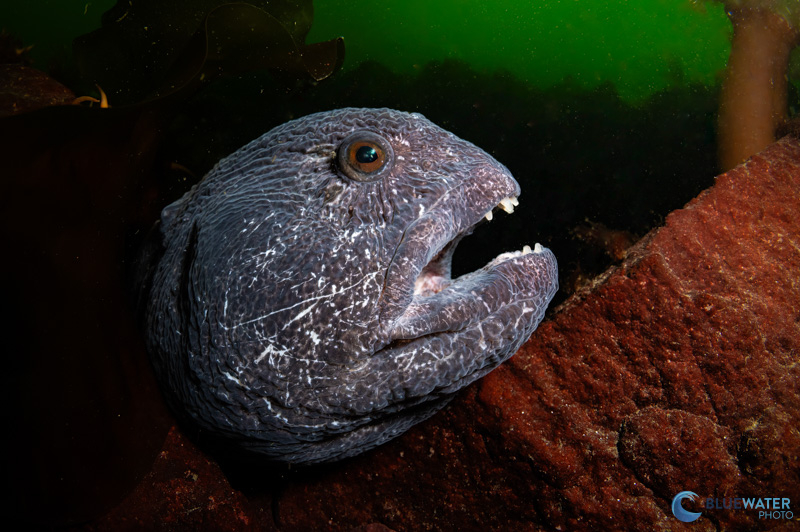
{"x": 298, "y": 299}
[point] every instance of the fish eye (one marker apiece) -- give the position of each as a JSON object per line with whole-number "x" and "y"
{"x": 365, "y": 156}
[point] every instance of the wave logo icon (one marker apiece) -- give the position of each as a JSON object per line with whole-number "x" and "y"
{"x": 679, "y": 512}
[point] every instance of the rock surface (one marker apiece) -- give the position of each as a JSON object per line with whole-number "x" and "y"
{"x": 677, "y": 371}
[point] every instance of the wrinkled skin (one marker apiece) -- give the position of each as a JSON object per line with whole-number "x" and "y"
{"x": 299, "y": 303}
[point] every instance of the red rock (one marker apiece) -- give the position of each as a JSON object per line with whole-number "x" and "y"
{"x": 677, "y": 371}
{"x": 185, "y": 490}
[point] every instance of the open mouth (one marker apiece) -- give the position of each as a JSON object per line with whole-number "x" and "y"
{"x": 436, "y": 274}
{"x": 422, "y": 298}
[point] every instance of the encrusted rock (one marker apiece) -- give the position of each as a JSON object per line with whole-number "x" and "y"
{"x": 677, "y": 371}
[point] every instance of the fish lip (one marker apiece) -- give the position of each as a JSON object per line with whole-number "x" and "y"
{"x": 527, "y": 279}
{"x": 434, "y": 230}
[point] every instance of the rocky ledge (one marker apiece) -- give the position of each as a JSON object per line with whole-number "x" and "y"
{"x": 676, "y": 371}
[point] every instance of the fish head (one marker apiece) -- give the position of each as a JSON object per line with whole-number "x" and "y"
{"x": 303, "y": 304}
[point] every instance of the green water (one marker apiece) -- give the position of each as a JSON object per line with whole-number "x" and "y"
{"x": 50, "y": 25}
{"x": 639, "y": 46}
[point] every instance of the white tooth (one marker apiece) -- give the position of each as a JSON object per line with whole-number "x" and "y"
{"x": 538, "y": 248}
{"x": 514, "y": 201}
{"x": 507, "y": 205}
{"x": 488, "y": 216}
{"x": 526, "y": 250}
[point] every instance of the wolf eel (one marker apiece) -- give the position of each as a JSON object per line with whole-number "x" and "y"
{"x": 298, "y": 302}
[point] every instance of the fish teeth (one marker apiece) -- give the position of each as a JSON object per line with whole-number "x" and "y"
{"x": 508, "y": 204}
{"x": 527, "y": 249}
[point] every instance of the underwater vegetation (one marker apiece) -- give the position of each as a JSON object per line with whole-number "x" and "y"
{"x": 753, "y": 101}
{"x": 150, "y": 49}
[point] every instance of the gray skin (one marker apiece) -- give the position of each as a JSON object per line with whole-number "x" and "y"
{"x": 299, "y": 303}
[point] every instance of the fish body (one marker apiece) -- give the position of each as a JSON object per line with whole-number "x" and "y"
{"x": 299, "y": 302}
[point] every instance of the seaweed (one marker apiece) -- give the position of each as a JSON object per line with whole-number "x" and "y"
{"x": 150, "y": 49}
